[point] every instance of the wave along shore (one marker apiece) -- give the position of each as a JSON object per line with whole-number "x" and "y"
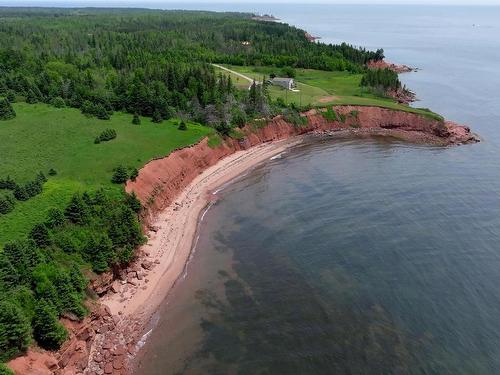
{"x": 174, "y": 191}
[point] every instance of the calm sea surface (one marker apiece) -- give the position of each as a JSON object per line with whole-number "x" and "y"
{"x": 357, "y": 256}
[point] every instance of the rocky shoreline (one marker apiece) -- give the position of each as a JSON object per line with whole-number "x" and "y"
{"x": 106, "y": 340}
{"x": 397, "y": 68}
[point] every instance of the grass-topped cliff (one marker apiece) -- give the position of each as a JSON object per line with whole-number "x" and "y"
{"x": 88, "y": 96}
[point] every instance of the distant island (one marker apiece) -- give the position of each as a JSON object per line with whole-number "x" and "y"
{"x": 115, "y": 120}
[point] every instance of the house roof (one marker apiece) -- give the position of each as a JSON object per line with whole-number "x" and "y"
{"x": 280, "y": 79}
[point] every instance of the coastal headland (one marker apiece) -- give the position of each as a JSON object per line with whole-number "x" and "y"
{"x": 175, "y": 191}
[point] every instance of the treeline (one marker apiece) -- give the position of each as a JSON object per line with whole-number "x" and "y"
{"x": 382, "y": 79}
{"x": 150, "y": 63}
{"x": 41, "y": 276}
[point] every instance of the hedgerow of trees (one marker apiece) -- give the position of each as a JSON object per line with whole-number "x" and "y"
{"x": 21, "y": 192}
{"x": 382, "y": 79}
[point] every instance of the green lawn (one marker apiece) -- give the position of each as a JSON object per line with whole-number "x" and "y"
{"x": 321, "y": 88}
{"x": 42, "y": 137}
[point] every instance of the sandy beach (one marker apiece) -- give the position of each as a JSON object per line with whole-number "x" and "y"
{"x": 168, "y": 249}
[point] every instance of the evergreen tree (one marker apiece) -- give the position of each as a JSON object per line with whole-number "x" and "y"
{"x": 48, "y": 332}
{"x": 6, "y": 110}
{"x": 182, "y": 126}
{"x": 55, "y": 218}
{"x": 136, "y": 120}
{"x": 133, "y": 202}
{"x": 40, "y": 234}
{"x": 134, "y": 174}
{"x": 6, "y": 204}
{"x": 31, "y": 98}
{"x": 120, "y": 176}
{"x": 157, "y": 117}
{"x": 77, "y": 210}
{"x": 58, "y": 102}
{"x": 11, "y": 96}
{"x": 9, "y": 277}
{"x": 15, "y": 330}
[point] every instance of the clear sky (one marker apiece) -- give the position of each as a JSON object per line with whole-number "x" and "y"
{"x": 159, "y": 3}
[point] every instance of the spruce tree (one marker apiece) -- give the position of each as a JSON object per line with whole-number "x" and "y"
{"x": 31, "y": 98}
{"x": 8, "y": 274}
{"x": 77, "y": 210}
{"x": 55, "y": 218}
{"x": 48, "y": 332}
{"x": 40, "y": 234}
{"x": 6, "y": 110}
{"x": 15, "y": 330}
{"x": 120, "y": 175}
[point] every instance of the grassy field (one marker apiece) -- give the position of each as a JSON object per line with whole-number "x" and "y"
{"x": 42, "y": 137}
{"x": 320, "y": 88}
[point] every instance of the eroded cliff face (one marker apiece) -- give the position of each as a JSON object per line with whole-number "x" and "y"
{"x": 161, "y": 180}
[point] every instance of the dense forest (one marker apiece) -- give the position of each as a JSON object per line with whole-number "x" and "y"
{"x": 153, "y": 63}
{"x": 147, "y": 63}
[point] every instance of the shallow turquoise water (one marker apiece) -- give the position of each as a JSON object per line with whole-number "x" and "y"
{"x": 358, "y": 256}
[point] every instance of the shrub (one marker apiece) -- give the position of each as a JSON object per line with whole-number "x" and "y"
{"x": 20, "y": 193}
{"x": 58, "y": 102}
{"x": 133, "y": 202}
{"x": 295, "y": 118}
{"x": 136, "y": 120}
{"x": 31, "y": 98}
{"x": 105, "y": 136}
{"x": 4, "y": 370}
{"x": 15, "y": 330}
{"x": 288, "y": 71}
{"x": 55, "y": 218}
{"x": 120, "y": 175}
{"x": 134, "y": 174}
{"x": 97, "y": 110}
{"x": 182, "y": 126}
{"x": 7, "y": 183}
{"x": 157, "y": 117}
{"x": 6, "y": 204}
{"x": 330, "y": 114}
{"x": 6, "y": 110}
{"x": 11, "y": 96}
{"x": 52, "y": 172}
{"x": 354, "y": 113}
{"x": 239, "y": 119}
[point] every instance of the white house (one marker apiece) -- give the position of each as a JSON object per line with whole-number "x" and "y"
{"x": 287, "y": 83}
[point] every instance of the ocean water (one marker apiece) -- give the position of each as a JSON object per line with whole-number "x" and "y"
{"x": 357, "y": 256}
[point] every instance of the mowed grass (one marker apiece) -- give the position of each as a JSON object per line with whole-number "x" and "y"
{"x": 42, "y": 137}
{"x": 321, "y": 88}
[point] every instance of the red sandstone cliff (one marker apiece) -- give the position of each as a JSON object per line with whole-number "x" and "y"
{"x": 161, "y": 180}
